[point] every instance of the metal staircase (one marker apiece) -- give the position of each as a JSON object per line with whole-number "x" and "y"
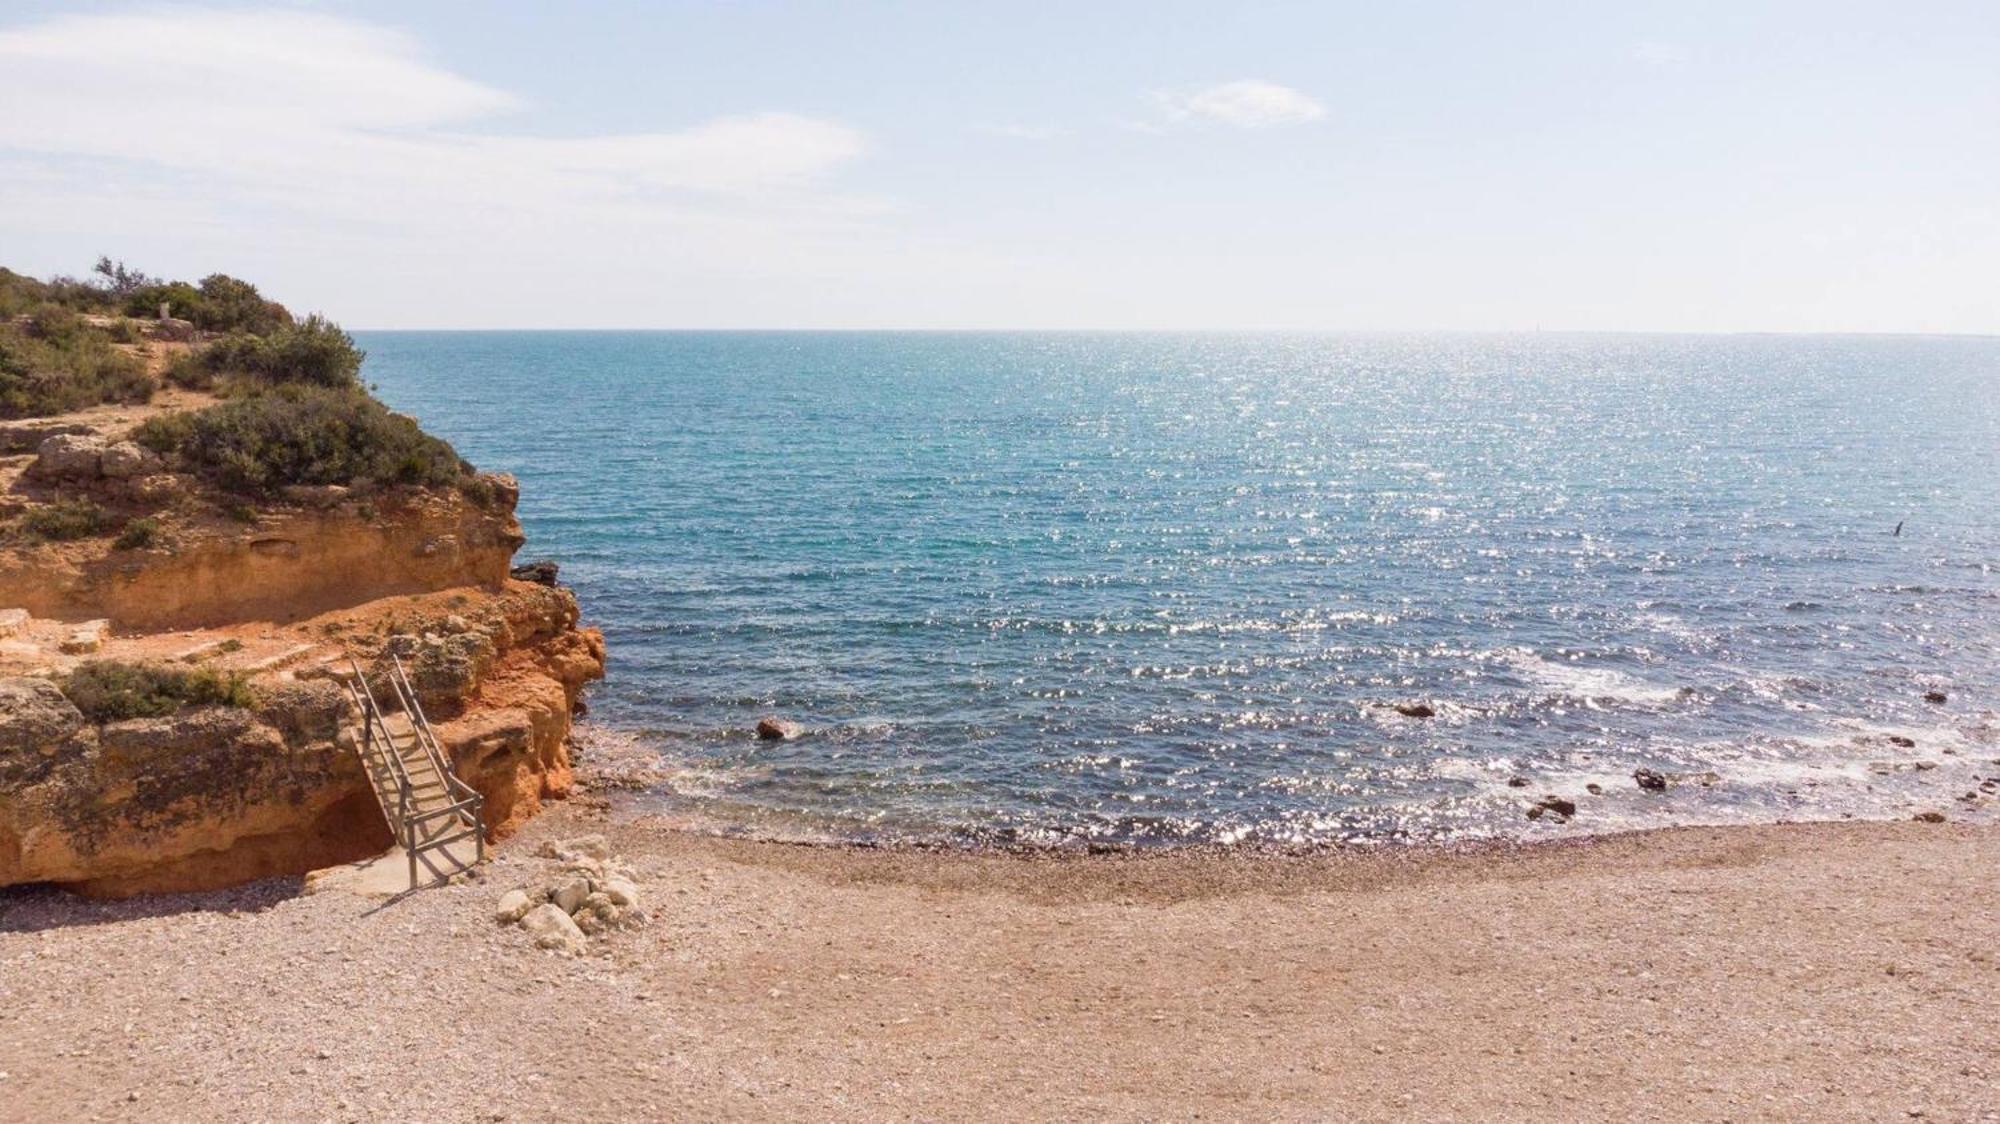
{"x": 434, "y": 816}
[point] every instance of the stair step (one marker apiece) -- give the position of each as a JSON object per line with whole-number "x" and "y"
{"x": 396, "y": 751}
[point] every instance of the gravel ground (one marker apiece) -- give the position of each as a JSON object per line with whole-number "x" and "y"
{"x": 1793, "y": 972}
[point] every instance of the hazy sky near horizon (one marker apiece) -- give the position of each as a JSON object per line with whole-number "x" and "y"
{"x": 1794, "y": 166}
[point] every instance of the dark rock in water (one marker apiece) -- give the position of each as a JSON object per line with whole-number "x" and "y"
{"x": 1517, "y": 782}
{"x": 1594, "y": 789}
{"x": 541, "y": 573}
{"x": 1935, "y": 696}
{"x": 778, "y": 729}
{"x": 1555, "y": 806}
{"x": 1900, "y": 740}
{"x": 1929, "y": 817}
{"x": 1415, "y": 710}
{"x": 1649, "y": 780}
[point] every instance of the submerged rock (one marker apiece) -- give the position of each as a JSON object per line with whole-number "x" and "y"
{"x": 1555, "y": 806}
{"x": 778, "y": 729}
{"x": 1935, "y": 696}
{"x": 1415, "y": 710}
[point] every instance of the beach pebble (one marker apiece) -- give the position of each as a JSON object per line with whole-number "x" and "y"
{"x": 1929, "y": 817}
{"x": 1900, "y": 740}
{"x": 1517, "y": 782}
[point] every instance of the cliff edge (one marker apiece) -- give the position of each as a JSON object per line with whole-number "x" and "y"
{"x": 193, "y": 549}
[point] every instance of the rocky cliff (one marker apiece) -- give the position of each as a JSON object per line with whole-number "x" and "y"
{"x": 115, "y": 557}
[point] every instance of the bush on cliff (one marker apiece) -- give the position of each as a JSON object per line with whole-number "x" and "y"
{"x": 57, "y": 363}
{"x": 21, "y": 294}
{"x": 221, "y": 303}
{"x": 67, "y": 521}
{"x": 260, "y": 444}
{"x": 314, "y": 351}
{"x": 110, "y": 691}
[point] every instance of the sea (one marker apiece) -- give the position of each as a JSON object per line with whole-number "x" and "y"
{"x": 1265, "y": 590}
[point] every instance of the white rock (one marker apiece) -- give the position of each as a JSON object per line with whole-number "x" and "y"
{"x": 622, "y": 892}
{"x": 570, "y": 895}
{"x": 127, "y": 459}
{"x": 581, "y": 848}
{"x": 68, "y": 455}
{"x": 513, "y": 904}
{"x": 88, "y": 637}
{"x": 552, "y": 928}
{"x": 12, "y": 621}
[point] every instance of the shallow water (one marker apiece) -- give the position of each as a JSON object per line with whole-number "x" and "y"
{"x": 1167, "y": 588}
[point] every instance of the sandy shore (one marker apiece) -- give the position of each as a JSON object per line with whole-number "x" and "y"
{"x": 1825, "y": 972}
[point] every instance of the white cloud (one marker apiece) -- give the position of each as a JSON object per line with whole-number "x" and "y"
{"x": 253, "y": 129}
{"x": 1246, "y": 104}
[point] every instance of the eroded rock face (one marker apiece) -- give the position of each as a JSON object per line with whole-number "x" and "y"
{"x": 214, "y": 796}
{"x": 289, "y": 564}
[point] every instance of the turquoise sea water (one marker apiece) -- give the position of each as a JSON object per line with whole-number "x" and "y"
{"x": 1167, "y": 588}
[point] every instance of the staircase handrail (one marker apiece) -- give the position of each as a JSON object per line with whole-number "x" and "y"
{"x": 372, "y": 724}
{"x": 406, "y": 695}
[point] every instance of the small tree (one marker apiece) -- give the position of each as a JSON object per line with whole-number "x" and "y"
{"x": 122, "y": 282}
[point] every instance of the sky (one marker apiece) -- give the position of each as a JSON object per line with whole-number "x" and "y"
{"x": 1686, "y": 166}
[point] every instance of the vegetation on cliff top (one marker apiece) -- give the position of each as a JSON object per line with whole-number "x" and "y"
{"x": 294, "y": 411}
{"x": 110, "y": 691}
{"x": 52, "y": 362}
{"x": 261, "y": 443}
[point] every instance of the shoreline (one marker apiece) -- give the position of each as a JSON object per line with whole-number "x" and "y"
{"x": 617, "y": 766}
{"x": 1767, "y": 972}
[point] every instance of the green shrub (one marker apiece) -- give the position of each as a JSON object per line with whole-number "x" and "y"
{"x": 67, "y": 520}
{"x": 58, "y": 364}
{"x": 109, "y": 691}
{"x": 314, "y": 351}
{"x": 181, "y": 299}
{"x": 220, "y": 304}
{"x": 189, "y": 370}
{"x": 21, "y": 294}
{"x": 138, "y": 534}
{"x": 258, "y": 445}
{"x": 230, "y": 305}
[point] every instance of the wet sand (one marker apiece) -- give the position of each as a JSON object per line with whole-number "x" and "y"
{"x": 1845, "y": 971}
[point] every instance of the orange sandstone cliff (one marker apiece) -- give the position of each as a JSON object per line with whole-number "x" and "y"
{"x": 279, "y": 596}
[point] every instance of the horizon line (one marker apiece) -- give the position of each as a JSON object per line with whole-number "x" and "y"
{"x": 1858, "y": 332}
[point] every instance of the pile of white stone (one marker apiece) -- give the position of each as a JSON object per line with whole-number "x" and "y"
{"x": 593, "y": 893}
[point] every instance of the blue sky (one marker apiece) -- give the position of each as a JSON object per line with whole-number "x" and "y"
{"x": 1685, "y": 166}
